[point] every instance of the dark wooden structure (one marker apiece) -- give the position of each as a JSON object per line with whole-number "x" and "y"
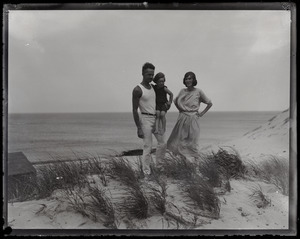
{"x": 20, "y": 176}
{"x": 19, "y": 165}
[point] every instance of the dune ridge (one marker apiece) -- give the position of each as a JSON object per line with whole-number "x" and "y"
{"x": 271, "y": 138}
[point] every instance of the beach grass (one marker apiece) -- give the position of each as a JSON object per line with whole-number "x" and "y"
{"x": 202, "y": 195}
{"x": 273, "y": 170}
{"x": 177, "y": 167}
{"x": 136, "y": 203}
{"x": 158, "y": 195}
{"x": 219, "y": 168}
{"x": 101, "y": 207}
{"x": 229, "y": 163}
{"x": 122, "y": 170}
{"x": 21, "y": 189}
{"x": 77, "y": 198}
{"x": 99, "y": 168}
{"x": 258, "y": 197}
{"x": 196, "y": 179}
{"x": 60, "y": 175}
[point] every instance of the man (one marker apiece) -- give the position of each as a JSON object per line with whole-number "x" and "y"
{"x": 143, "y": 97}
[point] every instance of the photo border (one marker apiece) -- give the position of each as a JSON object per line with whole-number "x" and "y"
{"x": 287, "y": 6}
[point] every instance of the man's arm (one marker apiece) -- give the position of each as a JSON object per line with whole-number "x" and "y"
{"x": 136, "y": 95}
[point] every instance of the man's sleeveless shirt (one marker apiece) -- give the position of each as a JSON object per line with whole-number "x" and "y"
{"x": 147, "y": 101}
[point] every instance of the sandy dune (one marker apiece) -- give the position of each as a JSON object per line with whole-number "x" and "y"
{"x": 238, "y": 211}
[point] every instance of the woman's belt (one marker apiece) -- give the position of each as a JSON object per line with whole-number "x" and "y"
{"x": 189, "y": 112}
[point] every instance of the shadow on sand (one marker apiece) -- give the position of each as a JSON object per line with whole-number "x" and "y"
{"x": 135, "y": 152}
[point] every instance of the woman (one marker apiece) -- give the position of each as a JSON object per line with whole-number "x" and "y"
{"x": 185, "y": 135}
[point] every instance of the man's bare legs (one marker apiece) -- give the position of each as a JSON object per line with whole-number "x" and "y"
{"x": 163, "y": 122}
{"x": 157, "y": 121}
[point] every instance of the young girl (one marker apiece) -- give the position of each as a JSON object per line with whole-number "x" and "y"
{"x": 162, "y": 103}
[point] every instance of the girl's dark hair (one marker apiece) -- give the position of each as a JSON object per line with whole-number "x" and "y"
{"x": 158, "y": 76}
{"x": 192, "y": 74}
{"x": 148, "y": 65}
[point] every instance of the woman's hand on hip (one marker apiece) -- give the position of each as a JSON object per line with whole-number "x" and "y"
{"x": 199, "y": 114}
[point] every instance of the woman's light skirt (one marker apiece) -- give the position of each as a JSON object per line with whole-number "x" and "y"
{"x": 184, "y": 139}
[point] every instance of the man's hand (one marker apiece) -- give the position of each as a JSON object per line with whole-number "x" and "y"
{"x": 140, "y": 133}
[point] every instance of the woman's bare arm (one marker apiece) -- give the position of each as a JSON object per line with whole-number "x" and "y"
{"x": 170, "y": 96}
{"x": 208, "y": 106}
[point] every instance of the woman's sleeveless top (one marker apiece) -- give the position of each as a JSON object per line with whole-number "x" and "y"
{"x": 147, "y": 101}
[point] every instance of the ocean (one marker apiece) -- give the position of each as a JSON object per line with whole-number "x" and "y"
{"x": 44, "y": 137}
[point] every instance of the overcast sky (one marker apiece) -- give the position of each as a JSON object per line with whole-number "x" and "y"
{"x": 90, "y": 60}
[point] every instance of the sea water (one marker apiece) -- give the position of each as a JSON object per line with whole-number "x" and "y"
{"x": 44, "y": 137}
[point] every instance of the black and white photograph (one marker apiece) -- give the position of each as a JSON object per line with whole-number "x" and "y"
{"x": 142, "y": 118}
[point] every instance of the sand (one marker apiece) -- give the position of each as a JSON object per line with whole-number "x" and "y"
{"x": 238, "y": 211}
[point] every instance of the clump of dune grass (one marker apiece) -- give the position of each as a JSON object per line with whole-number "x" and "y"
{"x": 210, "y": 169}
{"x": 72, "y": 173}
{"x": 159, "y": 200}
{"x": 101, "y": 207}
{"x": 135, "y": 204}
{"x": 177, "y": 167}
{"x": 229, "y": 163}
{"x": 21, "y": 189}
{"x": 139, "y": 165}
{"x": 259, "y": 198}
{"x": 122, "y": 170}
{"x": 196, "y": 187}
{"x": 203, "y": 196}
{"x": 158, "y": 195}
{"x": 48, "y": 180}
{"x": 59, "y": 175}
{"x": 49, "y": 177}
{"x": 274, "y": 170}
{"x": 77, "y": 199}
{"x": 218, "y": 168}
{"x": 99, "y": 168}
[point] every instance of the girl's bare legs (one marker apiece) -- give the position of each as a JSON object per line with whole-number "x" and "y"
{"x": 163, "y": 122}
{"x": 157, "y": 122}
